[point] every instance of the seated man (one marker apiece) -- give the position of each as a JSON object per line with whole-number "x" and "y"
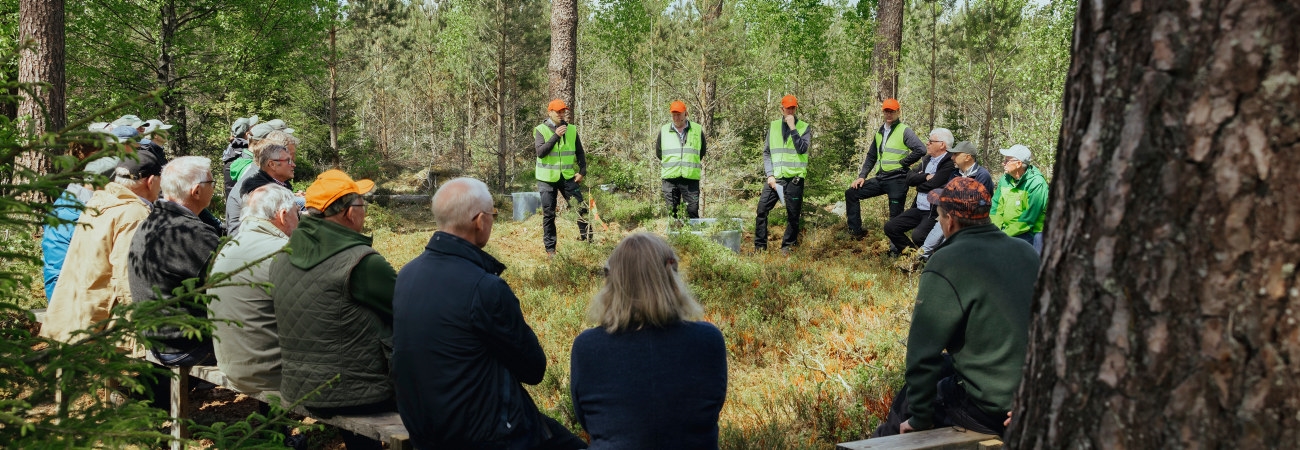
{"x": 974, "y": 303}
{"x": 333, "y": 300}
{"x": 963, "y": 156}
{"x": 461, "y": 345}
{"x": 250, "y": 355}
{"x": 235, "y": 200}
{"x": 935, "y": 170}
{"x": 173, "y": 245}
{"x": 1020, "y": 203}
{"x": 95, "y": 277}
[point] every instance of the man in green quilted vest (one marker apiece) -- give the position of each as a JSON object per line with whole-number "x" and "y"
{"x": 892, "y": 153}
{"x": 1020, "y": 202}
{"x": 333, "y": 300}
{"x": 561, "y": 166}
{"x": 680, "y": 148}
{"x": 785, "y": 162}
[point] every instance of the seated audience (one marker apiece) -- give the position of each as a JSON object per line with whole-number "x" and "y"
{"x": 235, "y": 200}
{"x": 461, "y": 345}
{"x": 1020, "y": 203}
{"x": 970, "y": 325}
{"x": 333, "y": 302}
{"x": 249, "y": 355}
{"x": 935, "y": 170}
{"x": 67, "y": 209}
{"x": 651, "y": 376}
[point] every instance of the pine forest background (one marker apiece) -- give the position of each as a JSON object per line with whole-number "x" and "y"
{"x": 392, "y": 89}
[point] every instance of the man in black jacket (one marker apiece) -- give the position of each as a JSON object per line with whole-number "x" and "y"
{"x": 893, "y": 151}
{"x": 935, "y": 170}
{"x": 461, "y": 346}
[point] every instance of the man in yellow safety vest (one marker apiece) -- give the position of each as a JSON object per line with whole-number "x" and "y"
{"x": 894, "y": 150}
{"x": 561, "y": 165}
{"x": 785, "y": 162}
{"x": 680, "y": 146}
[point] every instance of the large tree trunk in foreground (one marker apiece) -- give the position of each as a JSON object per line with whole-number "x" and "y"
{"x": 562, "y": 70}
{"x": 1166, "y": 310}
{"x": 41, "y": 21}
{"x": 886, "y": 55}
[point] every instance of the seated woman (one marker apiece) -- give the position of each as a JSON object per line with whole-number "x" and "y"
{"x": 650, "y": 376}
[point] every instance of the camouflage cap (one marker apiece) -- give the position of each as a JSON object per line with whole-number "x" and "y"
{"x": 965, "y": 198}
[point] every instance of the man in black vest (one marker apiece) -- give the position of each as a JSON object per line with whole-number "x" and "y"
{"x": 333, "y": 301}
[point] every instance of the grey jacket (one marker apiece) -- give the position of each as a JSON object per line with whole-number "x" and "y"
{"x": 249, "y": 355}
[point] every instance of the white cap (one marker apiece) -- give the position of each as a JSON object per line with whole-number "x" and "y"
{"x": 152, "y": 125}
{"x": 1017, "y": 151}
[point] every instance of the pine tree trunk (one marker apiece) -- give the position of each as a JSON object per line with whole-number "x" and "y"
{"x": 41, "y": 22}
{"x": 709, "y": 67}
{"x": 562, "y": 70}
{"x": 335, "y": 156}
{"x": 889, "y": 40}
{"x": 1165, "y": 315}
{"x": 166, "y": 77}
{"x": 501, "y": 99}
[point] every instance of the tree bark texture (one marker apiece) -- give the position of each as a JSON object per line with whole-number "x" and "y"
{"x": 41, "y": 21}
{"x": 562, "y": 70}
{"x": 889, "y": 40}
{"x": 709, "y": 65}
{"x": 335, "y": 156}
{"x": 1166, "y": 308}
{"x": 166, "y": 78}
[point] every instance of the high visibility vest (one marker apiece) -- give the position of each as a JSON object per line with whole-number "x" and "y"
{"x": 786, "y": 162}
{"x": 893, "y": 151}
{"x": 563, "y": 158}
{"x": 680, "y": 160}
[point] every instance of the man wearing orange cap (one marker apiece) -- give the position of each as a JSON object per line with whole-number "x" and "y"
{"x": 785, "y": 162}
{"x": 333, "y": 300}
{"x": 680, "y": 147}
{"x": 561, "y": 165}
{"x": 894, "y": 150}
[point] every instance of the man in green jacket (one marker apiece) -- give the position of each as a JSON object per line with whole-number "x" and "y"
{"x": 1020, "y": 204}
{"x": 333, "y": 300}
{"x": 970, "y": 324}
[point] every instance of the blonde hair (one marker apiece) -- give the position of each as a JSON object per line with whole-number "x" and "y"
{"x": 643, "y": 288}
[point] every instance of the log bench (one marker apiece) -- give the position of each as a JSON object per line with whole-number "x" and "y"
{"x": 386, "y": 427}
{"x": 946, "y": 438}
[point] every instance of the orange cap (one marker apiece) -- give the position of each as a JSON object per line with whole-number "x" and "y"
{"x": 890, "y": 104}
{"x": 677, "y": 106}
{"x": 331, "y": 185}
{"x": 557, "y": 105}
{"x": 789, "y": 101}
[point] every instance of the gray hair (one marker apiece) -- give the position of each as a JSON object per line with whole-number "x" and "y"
{"x": 267, "y": 201}
{"x": 129, "y": 183}
{"x": 944, "y": 135}
{"x": 458, "y": 201}
{"x": 270, "y": 153}
{"x": 182, "y": 174}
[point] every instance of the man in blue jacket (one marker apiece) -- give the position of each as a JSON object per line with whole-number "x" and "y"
{"x": 461, "y": 347}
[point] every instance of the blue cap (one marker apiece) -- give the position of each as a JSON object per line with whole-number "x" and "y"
{"x": 126, "y": 132}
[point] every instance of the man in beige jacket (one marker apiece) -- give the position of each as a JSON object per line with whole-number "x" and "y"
{"x": 95, "y": 275}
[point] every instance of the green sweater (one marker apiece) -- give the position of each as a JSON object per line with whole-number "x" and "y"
{"x": 316, "y": 240}
{"x": 974, "y": 301}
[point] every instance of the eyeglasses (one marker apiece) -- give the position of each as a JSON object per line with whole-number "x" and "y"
{"x": 288, "y": 160}
{"x": 492, "y": 213}
{"x": 933, "y": 141}
{"x": 359, "y": 205}
{"x": 209, "y": 181}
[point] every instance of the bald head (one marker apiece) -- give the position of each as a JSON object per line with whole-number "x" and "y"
{"x": 458, "y": 202}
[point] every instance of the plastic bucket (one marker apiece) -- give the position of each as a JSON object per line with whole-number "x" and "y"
{"x": 525, "y": 203}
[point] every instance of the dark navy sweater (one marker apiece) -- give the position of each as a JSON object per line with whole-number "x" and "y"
{"x": 653, "y": 388}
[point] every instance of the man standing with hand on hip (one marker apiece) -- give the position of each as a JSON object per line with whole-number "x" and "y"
{"x": 785, "y": 162}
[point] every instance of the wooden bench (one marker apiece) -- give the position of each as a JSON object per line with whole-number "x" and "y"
{"x": 387, "y": 427}
{"x": 947, "y": 438}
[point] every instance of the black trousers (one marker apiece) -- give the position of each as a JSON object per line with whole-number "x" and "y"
{"x": 571, "y": 191}
{"x": 793, "y": 206}
{"x": 895, "y": 188}
{"x": 678, "y": 189}
{"x": 952, "y": 407}
{"x": 915, "y": 220}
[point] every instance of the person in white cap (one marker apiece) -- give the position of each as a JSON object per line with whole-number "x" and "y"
{"x": 1020, "y": 203}
{"x": 153, "y": 141}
